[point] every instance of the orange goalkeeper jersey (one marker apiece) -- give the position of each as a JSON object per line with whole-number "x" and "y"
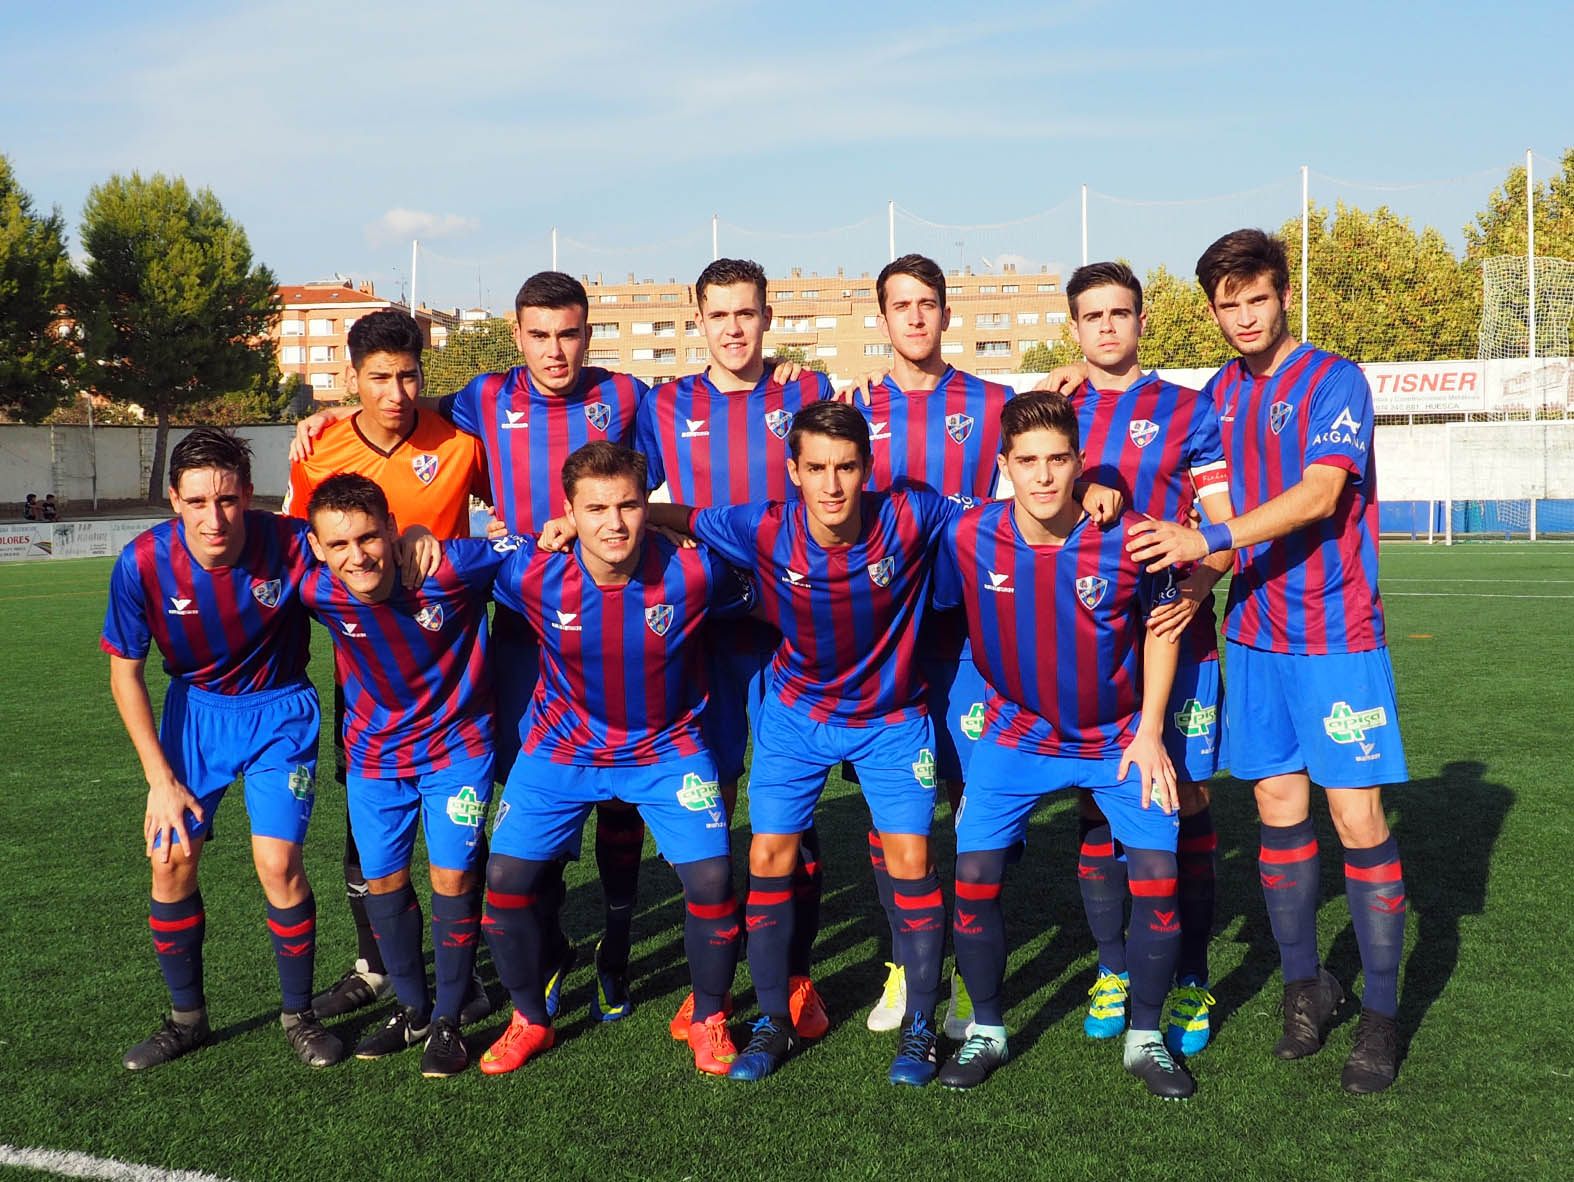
{"x": 428, "y": 477}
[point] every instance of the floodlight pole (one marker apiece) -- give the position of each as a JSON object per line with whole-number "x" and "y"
{"x": 1306, "y": 222}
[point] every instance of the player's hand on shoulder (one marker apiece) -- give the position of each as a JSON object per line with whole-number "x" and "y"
{"x": 679, "y": 539}
{"x": 1063, "y": 379}
{"x": 165, "y": 821}
{"x": 1104, "y": 505}
{"x": 558, "y": 534}
{"x": 1158, "y": 544}
{"x": 307, "y": 430}
{"x": 419, "y": 554}
{"x": 786, "y": 371}
{"x": 1153, "y": 763}
{"x": 863, "y": 387}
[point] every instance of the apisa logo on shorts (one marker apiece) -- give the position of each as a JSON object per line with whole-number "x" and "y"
{"x": 924, "y": 769}
{"x": 659, "y": 618}
{"x": 1143, "y": 431}
{"x": 779, "y": 422}
{"x": 1090, "y": 590}
{"x": 598, "y": 414}
{"x": 1278, "y": 415}
{"x": 301, "y": 782}
{"x": 972, "y": 722}
{"x": 424, "y": 466}
{"x": 1344, "y": 725}
{"x": 466, "y": 808}
{"x": 430, "y": 618}
{"x": 959, "y": 427}
{"x": 880, "y": 572}
{"x": 267, "y": 593}
{"x": 698, "y": 794}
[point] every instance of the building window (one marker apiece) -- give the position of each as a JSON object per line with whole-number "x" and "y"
{"x": 669, "y": 297}
{"x": 667, "y": 356}
{"x": 1027, "y": 317}
{"x": 606, "y": 328}
{"x": 987, "y": 289}
{"x": 349, "y": 323}
{"x": 811, "y": 295}
{"x": 950, "y": 346}
{"x": 690, "y": 329}
{"x": 608, "y": 299}
{"x": 1010, "y": 288}
{"x": 322, "y": 354}
{"x": 698, "y": 355}
{"x": 641, "y": 299}
{"x": 644, "y": 354}
{"x": 871, "y": 321}
{"x": 878, "y": 350}
{"x": 993, "y": 349}
{"x": 321, "y": 381}
{"x": 642, "y": 328}
{"x": 602, "y": 356}
{"x": 292, "y": 328}
{"x": 319, "y": 328}
{"x": 1054, "y": 317}
{"x": 825, "y": 322}
{"x": 663, "y": 378}
{"x": 992, "y": 320}
{"x": 825, "y": 351}
{"x": 794, "y": 324}
{"x": 784, "y": 295}
{"x": 1046, "y": 287}
{"x": 292, "y": 355}
{"x": 861, "y": 293}
{"x": 1024, "y": 346}
{"x": 666, "y": 328}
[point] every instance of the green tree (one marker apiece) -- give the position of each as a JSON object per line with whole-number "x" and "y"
{"x": 1180, "y": 334}
{"x": 270, "y": 400}
{"x": 1500, "y": 227}
{"x": 1043, "y": 358}
{"x": 796, "y": 353}
{"x": 175, "y": 310}
{"x": 36, "y": 283}
{"x": 487, "y": 347}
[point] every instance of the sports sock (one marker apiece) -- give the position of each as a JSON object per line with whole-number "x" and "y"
{"x": 513, "y": 930}
{"x": 806, "y": 905}
{"x": 1374, "y": 886}
{"x": 770, "y": 916}
{"x": 620, "y": 837}
{"x": 396, "y": 918}
{"x": 1195, "y": 861}
{"x": 920, "y": 939}
{"x": 355, "y": 892}
{"x": 294, "y": 934}
{"x": 1101, "y": 876}
{"x": 1153, "y": 940}
{"x": 882, "y": 885}
{"x": 710, "y": 931}
{"x": 177, "y": 930}
{"x": 456, "y": 920}
{"x": 550, "y": 891}
{"x": 1290, "y": 872}
{"x": 978, "y": 932}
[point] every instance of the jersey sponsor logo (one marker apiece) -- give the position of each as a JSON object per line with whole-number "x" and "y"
{"x": 972, "y": 722}
{"x": 1143, "y": 431}
{"x": 1345, "y": 430}
{"x": 1169, "y": 592}
{"x": 502, "y": 812}
{"x": 352, "y": 629}
{"x": 694, "y": 429}
{"x": 962, "y": 499}
{"x": 514, "y": 420}
{"x": 795, "y": 578}
{"x": 466, "y": 808}
{"x": 267, "y": 593}
{"x": 924, "y": 769}
{"x": 430, "y": 617}
{"x": 598, "y": 414}
{"x": 779, "y": 422}
{"x": 878, "y": 431}
{"x": 1000, "y": 583}
{"x": 180, "y": 607}
{"x": 1090, "y": 590}
{"x": 508, "y": 544}
{"x": 1194, "y": 719}
{"x": 880, "y": 572}
{"x": 1344, "y": 725}
{"x": 301, "y": 782}
{"x": 1278, "y": 415}
{"x": 565, "y": 622}
{"x": 424, "y": 466}
{"x": 959, "y": 427}
{"x": 1346, "y": 420}
{"x": 698, "y": 794}
{"x": 659, "y": 618}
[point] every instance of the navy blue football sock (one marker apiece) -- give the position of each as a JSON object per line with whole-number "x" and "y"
{"x": 882, "y": 885}
{"x": 710, "y": 931}
{"x": 770, "y": 915}
{"x": 920, "y": 939}
{"x": 620, "y": 838}
{"x": 456, "y": 923}
{"x": 1101, "y": 877}
{"x": 178, "y": 929}
{"x": 396, "y": 918}
{"x": 294, "y": 934}
{"x": 1291, "y": 872}
{"x": 978, "y": 931}
{"x": 1153, "y": 941}
{"x": 1195, "y": 858}
{"x": 806, "y": 881}
{"x": 355, "y": 892}
{"x": 1374, "y": 886}
{"x": 513, "y": 929}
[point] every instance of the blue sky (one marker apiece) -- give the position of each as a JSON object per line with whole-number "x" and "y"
{"x": 627, "y": 125}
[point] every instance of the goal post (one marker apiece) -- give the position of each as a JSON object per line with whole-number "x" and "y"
{"x": 1508, "y": 480}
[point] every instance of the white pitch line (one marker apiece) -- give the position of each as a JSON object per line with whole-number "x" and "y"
{"x": 1440, "y": 579}
{"x": 1464, "y": 595}
{"x": 69, "y": 1164}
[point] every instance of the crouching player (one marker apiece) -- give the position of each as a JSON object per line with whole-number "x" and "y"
{"x": 216, "y": 590}
{"x": 418, "y": 740}
{"x": 615, "y": 714}
{"x": 1055, "y": 613}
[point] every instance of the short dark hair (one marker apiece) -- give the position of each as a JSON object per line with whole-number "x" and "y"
{"x": 210, "y": 447}
{"x": 920, "y": 267}
{"x": 347, "y": 492}
{"x": 1038, "y": 410}
{"x": 551, "y": 289}
{"x": 1086, "y": 278}
{"x": 388, "y": 331}
{"x": 834, "y": 419}
{"x": 606, "y": 460}
{"x": 726, "y": 272}
{"x": 1240, "y": 257}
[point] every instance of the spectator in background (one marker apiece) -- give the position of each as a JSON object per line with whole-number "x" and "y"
{"x": 30, "y": 508}
{"x": 51, "y": 509}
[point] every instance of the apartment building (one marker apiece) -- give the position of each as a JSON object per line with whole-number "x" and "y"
{"x": 312, "y": 333}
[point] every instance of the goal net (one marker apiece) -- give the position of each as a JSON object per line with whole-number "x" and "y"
{"x": 1508, "y": 480}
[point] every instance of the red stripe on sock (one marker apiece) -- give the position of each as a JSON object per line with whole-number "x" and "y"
{"x": 513, "y": 902}
{"x": 916, "y": 902}
{"x": 713, "y": 910}
{"x": 1107, "y": 850}
{"x": 1387, "y": 872}
{"x": 876, "y": 841}
{"x": 1300, "y": 853}
{"x": 285, "y": 931}
{"x": 1199, "y": 845}
{"x": 768, "y": 898}
{"x": 977, "y": 890}
{"x": 1151, "y": 887}
{"x": 810, "y": 869}
{"x": 175, "y": 925}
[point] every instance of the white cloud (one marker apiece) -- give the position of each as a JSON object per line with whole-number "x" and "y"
{"x": 398, "y": 225}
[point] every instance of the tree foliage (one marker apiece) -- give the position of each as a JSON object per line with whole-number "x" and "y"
{"x": 798, "y": 354}
{"x": 1500, "y": 227}
{"x": 36, "y": 293}
{"x": 1179, "y": 334}
{"x": 487, "y": 347}
{"x": 175, "y": 311}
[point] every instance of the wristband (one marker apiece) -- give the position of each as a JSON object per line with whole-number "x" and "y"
{"x": 1218, "y": 537}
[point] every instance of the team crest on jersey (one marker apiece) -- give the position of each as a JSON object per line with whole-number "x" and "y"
{"x": 267, "y": 593}
{"x": 880, "y": 572}
{"x": 1090, "y": 590}
{"x": 959, "y": 427}
{"x": 425, "y": 466}
{"x": 1278, "y": 415}
{"x": 430, "y": 618}
{"x": 598, "y": 414}
{"x": 779, "y": 421}
{"x": 1143, "y": 431}
{"x": 659, "y": 618}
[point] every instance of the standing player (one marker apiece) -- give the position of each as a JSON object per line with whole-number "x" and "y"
{"x": 418, "y": 731}
{"x": 1159, "y": 445}
{"x": 1055, "y": 611}
{"x": 215, "y": 589}
{"x": 720, "y": 438}
{"x": 616, "y": 713}
{"x": 428, "y": 470}
{"x": 1313, "y": 690}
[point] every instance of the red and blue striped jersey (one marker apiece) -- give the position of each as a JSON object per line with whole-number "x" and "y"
{"x": 848, "y": 615}
{"x": 1158, "y": 445}
{"x": 1057, "y": 631}
{"x": 528, "y": 434}
{"x": 1316, "y": 590}
{"x": 231, "y": 630}
{"x": 622, "y": 682}
{"x": 945, "y": 439}
{"x": 417, "y": 683}
{"x": 714, "y": 448}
